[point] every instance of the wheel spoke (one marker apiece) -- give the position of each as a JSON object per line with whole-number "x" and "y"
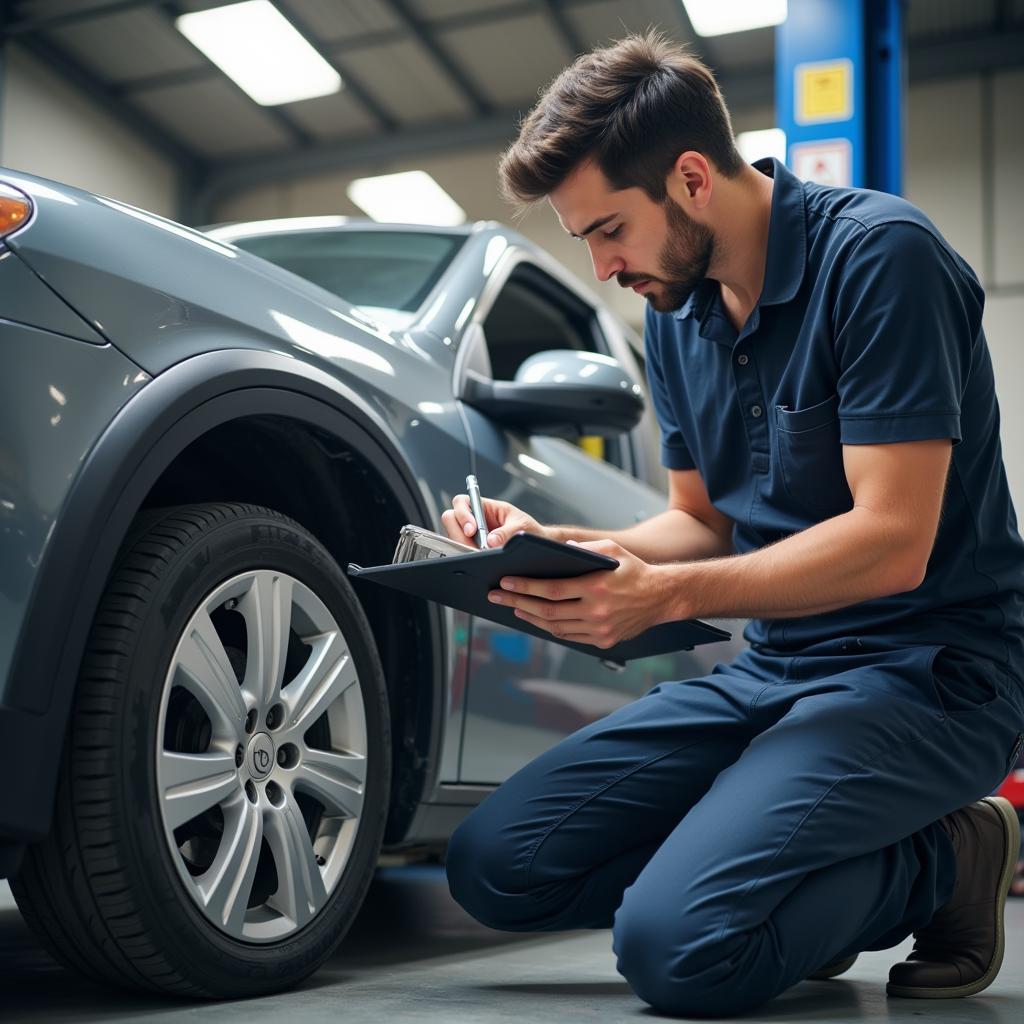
{"x": 267, "y": 608}
{"x": 300, "y": 891}
{"x": 336, "y": 780}
{"x": 204, "y": 670}
{"x": 193, "y": 783}
{"x": 223, "y": 834}
{"x": 329, "y": 672}
{"x": 226, "y": 886}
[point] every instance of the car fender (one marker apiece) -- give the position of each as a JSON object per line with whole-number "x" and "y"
{"x": 158, "y": 423}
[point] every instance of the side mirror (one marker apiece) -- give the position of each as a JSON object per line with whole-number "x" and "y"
{"x": 563, "y": 393}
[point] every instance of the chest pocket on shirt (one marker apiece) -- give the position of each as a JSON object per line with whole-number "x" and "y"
{"x": 811, "y": 457}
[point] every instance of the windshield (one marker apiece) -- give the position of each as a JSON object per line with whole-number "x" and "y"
{"x": 391, "y": 270}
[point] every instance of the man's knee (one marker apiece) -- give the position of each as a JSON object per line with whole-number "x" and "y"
{"x": 481, "y": 878}
{"x": 673, "y": 960}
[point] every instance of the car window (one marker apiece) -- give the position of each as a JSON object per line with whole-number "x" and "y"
{"x": 382, "y": 269}
{"x": 534, "y": 313}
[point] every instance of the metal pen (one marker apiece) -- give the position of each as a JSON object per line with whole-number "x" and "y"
{"x": 477, "y": 508}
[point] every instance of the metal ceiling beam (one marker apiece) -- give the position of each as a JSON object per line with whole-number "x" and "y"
{"x": 352, "y": 84}
{"x": 563, "y": 26}
{"x": 165, "y": 80}
{"x": 45, "y": 22}
{"x": 497, "y": 128}
{"x": 58, "y": 60}
{"x": 292, "y": 128}
{"x": 420, "y": 30}
{"x": 965, "y": 55}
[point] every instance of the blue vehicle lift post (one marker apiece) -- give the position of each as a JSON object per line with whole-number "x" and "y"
{"x": 840, "y": 72}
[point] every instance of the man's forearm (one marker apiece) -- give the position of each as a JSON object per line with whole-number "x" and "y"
{"x": 851, "y": 558}
{"x": 671, "y": 536}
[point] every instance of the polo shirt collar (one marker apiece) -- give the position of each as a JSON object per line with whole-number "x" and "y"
{"x": 787, "y": 235}
{"x": 787, "y": 246}
{"x": 700, "y": 299}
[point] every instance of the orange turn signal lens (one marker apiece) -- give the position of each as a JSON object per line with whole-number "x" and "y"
{"x": 15, "y": 210}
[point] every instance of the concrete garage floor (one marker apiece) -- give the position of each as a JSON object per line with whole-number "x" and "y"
{"x": 413, "y": 955}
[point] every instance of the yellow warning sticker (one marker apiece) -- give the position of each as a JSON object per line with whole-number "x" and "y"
{"x": 824, "y": 91}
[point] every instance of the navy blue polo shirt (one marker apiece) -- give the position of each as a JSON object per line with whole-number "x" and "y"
{"x": 867, "y": 331}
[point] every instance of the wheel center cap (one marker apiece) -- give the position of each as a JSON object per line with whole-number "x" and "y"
{"x": 260, "y": 755}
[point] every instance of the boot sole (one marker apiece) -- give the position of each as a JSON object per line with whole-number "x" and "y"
{"x": 1011, "y": 827}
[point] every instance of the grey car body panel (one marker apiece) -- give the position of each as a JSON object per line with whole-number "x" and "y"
{"x": 24, "y": 299}
{"x": 144, "y": 437}
{"x": 57, "y": 395}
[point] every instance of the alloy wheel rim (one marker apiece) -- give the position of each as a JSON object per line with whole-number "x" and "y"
{"x": 261, "y": 756}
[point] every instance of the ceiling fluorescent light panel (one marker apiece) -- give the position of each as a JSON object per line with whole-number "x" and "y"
{"x": 720, "y": 17}
{"x": 411, "y": 197}
{"x": 261, "y": 51}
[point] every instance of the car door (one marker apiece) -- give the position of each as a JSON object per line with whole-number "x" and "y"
{"x": 524, "y": 694}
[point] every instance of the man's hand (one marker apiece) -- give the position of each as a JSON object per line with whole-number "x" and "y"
{"x": 599, "y": 608}
{"x": 503, "y": 520}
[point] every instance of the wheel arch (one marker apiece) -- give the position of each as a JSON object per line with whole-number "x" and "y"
{"x": 154, "y": 452}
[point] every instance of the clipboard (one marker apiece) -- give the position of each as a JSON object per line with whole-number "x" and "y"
{"x": 462, "y": 581}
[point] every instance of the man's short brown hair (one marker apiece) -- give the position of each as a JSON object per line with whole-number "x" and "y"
{"x": 632, "y": 107}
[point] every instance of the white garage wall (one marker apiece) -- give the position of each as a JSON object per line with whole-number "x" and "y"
{"x": 48, "y": 129}
{"x": 964, "y": 156}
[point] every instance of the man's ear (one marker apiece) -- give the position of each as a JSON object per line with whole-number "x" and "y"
{"x": 690, "y": 181}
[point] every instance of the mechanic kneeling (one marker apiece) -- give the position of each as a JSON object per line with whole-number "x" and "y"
{"x": 825, "y": 396}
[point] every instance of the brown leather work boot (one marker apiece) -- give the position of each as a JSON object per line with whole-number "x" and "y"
{"x": 959, "y": 952}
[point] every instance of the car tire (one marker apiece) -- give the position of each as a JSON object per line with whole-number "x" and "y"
{"x": 116, "y": 889}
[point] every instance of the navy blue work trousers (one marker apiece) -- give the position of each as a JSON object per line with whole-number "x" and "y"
{"x": 741, "y": 830}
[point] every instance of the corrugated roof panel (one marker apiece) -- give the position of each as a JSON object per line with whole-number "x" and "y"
{"x": 213, "y": 118}
{"x": 947, "y": 17}
{"x": 509, "y": 60}
{"x": 128, "y": 45}
{"x": 407, "y": 81}
{"x": 32, "y": 9}
{"x": 332, "y": 117}
{"x": 330, "y": 20}
{"x": 430, "y": 10}
{"x": 335, "y": 20}
{"x": 600, "y": 23}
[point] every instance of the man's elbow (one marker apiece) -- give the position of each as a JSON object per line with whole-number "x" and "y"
{"x": 907, "y": 571}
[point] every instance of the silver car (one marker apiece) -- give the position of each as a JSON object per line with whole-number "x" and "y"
{"x": 215, "y": 734}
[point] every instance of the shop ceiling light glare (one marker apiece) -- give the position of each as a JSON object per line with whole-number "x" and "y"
{"x": 765, "y": 142}
{"x": 719, "y": 17}
{"x": 259, "y": 49}
{"x": 411, "y": 197}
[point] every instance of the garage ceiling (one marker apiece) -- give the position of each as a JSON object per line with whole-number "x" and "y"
{"x": 419, "y": 74}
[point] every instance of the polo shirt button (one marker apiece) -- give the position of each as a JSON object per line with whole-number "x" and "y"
{"x": 742, "y": 360}
{"x": 755, "y": 411}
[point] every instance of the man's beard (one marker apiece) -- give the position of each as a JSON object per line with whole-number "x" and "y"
{"x": 684, "y": 261}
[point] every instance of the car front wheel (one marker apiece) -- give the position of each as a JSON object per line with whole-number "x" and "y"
{"x": 224, "y": 783}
